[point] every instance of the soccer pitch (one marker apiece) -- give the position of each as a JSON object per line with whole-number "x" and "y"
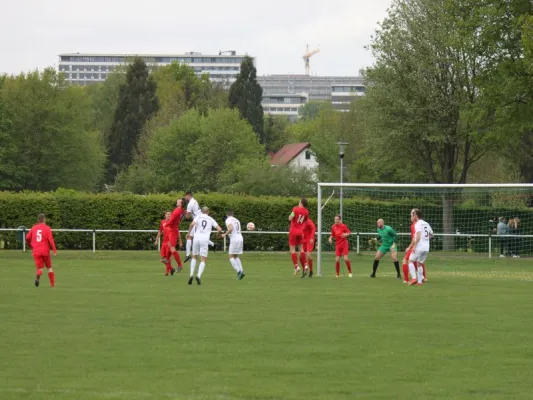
{"x": 116, "y": 328}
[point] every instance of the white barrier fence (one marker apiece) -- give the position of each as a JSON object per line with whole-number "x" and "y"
{"x": 357, "y": 235}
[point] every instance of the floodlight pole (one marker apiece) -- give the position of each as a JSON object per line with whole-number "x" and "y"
{"x": 342, "y": 146}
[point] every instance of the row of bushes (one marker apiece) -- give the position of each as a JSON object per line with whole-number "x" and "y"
{"x": 69, "y": 209}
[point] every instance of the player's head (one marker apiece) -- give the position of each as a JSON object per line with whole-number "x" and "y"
{"x": 41, "y": 218}
{"x": 380, "y": 223}
{"x": 413, "y": 214}
{"x": 188, "y": 196}
{"x": 338, "y": 219}
{"x": 303, "y": 202}
{"x": 229, "y": 212}
{"x": 417, "y": 214}
{"x": 167, "y": 214}
{"x": 205, "y": 210}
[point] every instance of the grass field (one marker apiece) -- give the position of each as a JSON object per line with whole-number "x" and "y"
{"x": 115, "y": 328}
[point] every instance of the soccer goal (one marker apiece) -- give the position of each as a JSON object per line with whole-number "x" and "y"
{"x": 468, "y": 220}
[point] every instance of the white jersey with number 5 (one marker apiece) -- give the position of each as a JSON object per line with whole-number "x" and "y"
{"x": 204, "y": 226}
{"x": 425, "y": 234}
{"x": 194, "y": 208}
{"x": 235, "y": 233}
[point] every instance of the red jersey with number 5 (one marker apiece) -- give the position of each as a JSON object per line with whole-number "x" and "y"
{"x": 299, "y": 220}
{"x": 41, "y": 240}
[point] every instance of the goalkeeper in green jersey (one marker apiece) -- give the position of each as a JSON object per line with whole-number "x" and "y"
{"x": 387, "y": 235}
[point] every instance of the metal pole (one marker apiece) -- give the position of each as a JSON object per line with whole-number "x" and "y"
{"x": 319, "y": 230}
{"x": 358, "y": 245}
{"x": 94, "y": 241}
{"x": 159, "y": 244}
{"x": 24, "y": 240}
{"x": 341, "y": 193}
{"x": 490, "y": 245}
{"x": 224, "y": 244}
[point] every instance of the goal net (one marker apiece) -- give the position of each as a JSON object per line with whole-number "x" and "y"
{"x": 468, "y": 220}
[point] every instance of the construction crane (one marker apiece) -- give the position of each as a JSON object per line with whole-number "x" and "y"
{"x": 232, "y": 52}
{"x": 307, "y": 56}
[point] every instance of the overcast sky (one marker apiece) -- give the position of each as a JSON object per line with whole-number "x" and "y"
{"x": 34, "y": 32}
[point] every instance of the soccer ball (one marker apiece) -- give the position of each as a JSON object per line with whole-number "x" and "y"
{"x": 250, "y": 226}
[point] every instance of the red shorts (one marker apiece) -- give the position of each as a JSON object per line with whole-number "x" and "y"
{"x": 296, "y": 239}
{"x": 308, "y": 246}
{"x": 173, "y": 239}
{"x": 341, "y": 249}
{"x": 165, "y": 250}
{"x": 42, "y": 261}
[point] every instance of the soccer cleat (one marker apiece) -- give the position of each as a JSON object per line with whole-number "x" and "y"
{"x": 241, "y": 276}
{"x": 399, "y": 277}
{"x": 310, "y": 274}
{"x": 188, "y": 258}
{"x": 337, "y": 275}
{"x": 413, "y": 282}
{"x": 172, "y": 271}
{"x": 372, "y": 275}
{"x": 296, "y": 270}
{"x": 36, "y": 282}
{"x": 424, "y": 280}
{"x": 163, "y": 260}
{"x": 350, "y": 275}
{"x": 304, "y": 272}
{"x": 238, "y": 275}
{"x": 179, "y": 269}
{"x": 190, "y": 280}
{"x": 198, "y": 281}
{"x": 418, "y": 284}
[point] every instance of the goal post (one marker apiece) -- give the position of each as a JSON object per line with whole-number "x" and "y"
{"x": 484, "y": 220}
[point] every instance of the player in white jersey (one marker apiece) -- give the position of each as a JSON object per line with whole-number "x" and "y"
{"x": 202, "y": 225}
{"x": 423, "y": 234}
{"x": 236, "y": 243}
{"x": 193, "y": 210}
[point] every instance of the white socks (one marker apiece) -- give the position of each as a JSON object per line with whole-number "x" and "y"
{"x": 420, "y": 274}
{"x": 239, "y": 263}
{"x": 412, "y": 270}
{"x": 188, "y": 247}
{"x": 211, "y": 243}
{"x": 234, "y": 264}
{"x": 193, "y": 266}
{"x": 201, "y": 269}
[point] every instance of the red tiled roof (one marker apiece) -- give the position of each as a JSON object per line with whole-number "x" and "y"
{"x": 288, "y": 152}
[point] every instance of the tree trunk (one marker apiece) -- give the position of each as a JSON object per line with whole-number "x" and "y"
{"x": 448, "y": 242}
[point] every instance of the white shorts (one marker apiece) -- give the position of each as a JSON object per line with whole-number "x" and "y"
{"x": 235, "y": 247}
{"x": 419, "y": 256}
{"x": 191, "y": 235}
{"x": 200, "y": 247}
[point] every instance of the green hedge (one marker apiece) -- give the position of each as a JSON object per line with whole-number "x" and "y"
{"x": 69, "y": 209}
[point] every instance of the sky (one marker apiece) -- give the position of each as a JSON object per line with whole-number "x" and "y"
{"x": 276, "y": 32}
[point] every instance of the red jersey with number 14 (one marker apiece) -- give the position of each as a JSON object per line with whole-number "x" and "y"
{"x": 299, "y": 220}
{"x": 41, "y": 240}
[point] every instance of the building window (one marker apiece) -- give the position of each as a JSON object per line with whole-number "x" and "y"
{"x": 307, "y": 155}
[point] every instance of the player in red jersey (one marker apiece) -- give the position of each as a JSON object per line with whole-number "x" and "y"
{"x": 174, "y": 237}
{"x": 340, "y": 233}
{"x": 164, "y": 231}
{"x": 41, "y": 240}
{"x": 409, "y": 250}
{"x": 308, "y": 247}
{"x": 298, "y": 218}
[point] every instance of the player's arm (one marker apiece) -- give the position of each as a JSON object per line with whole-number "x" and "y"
{"x": 51, "y": 242}
{"x": 393, "y": 234}
{"x": 346, "y": 232}
{"x": 312, "y": 235}
{"x": 216, "y": 226}
{"x": 191, "y": 226}
{"x": 158, "y": 233}
{"x": 291, "y": 216}
{"x": 29, "y": 237}
{"x": 417, "y": 237}
{"x": 331, "y": 236}
{"x": 230, "y": 228}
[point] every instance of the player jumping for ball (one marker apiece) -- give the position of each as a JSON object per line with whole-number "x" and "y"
{"x": 308, "y": 247}
{"x": 236, "y": 243}
{"x": 164, "y": 230}
{"x": 340, "y": 233}
{"x": 388, "y": 243}
{"x": 298, "y": 219}
{"x": 174, "y": 236}
{"x": 41, "y": 240}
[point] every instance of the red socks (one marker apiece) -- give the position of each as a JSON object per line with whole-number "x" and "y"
{"x": 39, "y": 272}
{"x": 349, "y": 266}
{"x": 177, "y": 258}
{"x": 310, "y": 264}
{"x": 52, "y": 278}
{"x": 338, "y": 267}
{"x": 405, "y": 268}
{"x": 168, "y": 268}
{"x": 294, "y": 257}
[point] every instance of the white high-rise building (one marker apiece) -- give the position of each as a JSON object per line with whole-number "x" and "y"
{"x": 85, "y": 68}
{"x": 286, "y": 104}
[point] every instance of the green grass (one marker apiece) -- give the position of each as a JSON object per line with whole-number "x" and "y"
{"x": 116, "y": 328}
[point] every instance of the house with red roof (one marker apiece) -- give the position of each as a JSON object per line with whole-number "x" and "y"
{"x": 295, "y": 155}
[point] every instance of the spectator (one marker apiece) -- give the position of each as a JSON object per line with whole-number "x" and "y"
{"x": 502, "y": 229}
{"x": 512, "y": 243}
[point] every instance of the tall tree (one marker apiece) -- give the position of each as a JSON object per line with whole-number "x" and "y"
{"x": 246, "y": 95}
{"x": 276, "y": 132}
{"x": 137, "y": 103}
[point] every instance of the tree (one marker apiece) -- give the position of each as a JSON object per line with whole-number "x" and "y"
{"x": 46, "y": 133}
{"x": 137, "y": 103}
{"x": 311, "y": 110}
{"x": 276, "y": 133}
{"x": 246, "y": 95}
